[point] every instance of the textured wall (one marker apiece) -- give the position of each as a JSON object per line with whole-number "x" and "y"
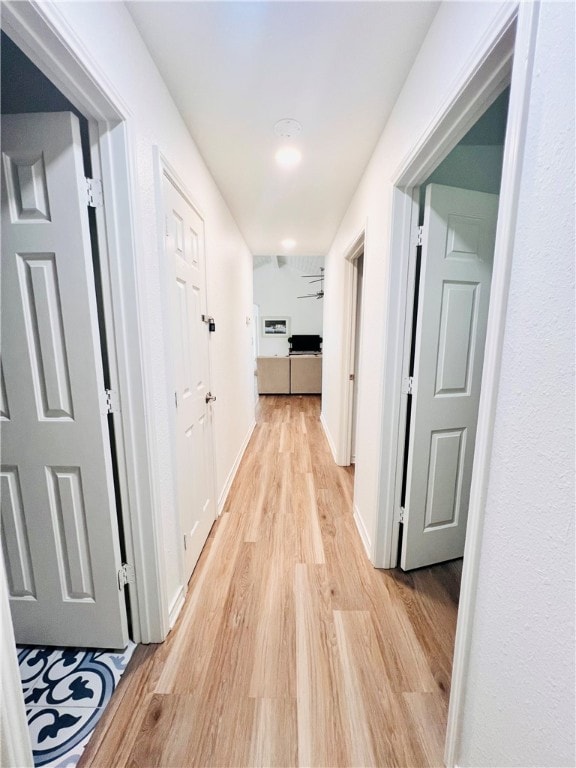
{"x": 520, "y": 708}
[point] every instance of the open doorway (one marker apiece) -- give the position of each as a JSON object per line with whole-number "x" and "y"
{"x": 448, "y": 312}
{"x": 62, "y": 542}
{"x": 61, "y": 522}
{"x": 357, "y": 281}
{"x": 353, "y": 339}
{"x": 43, "y": 42}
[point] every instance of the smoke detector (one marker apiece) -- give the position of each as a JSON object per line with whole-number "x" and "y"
{"x": 287, "y": 128}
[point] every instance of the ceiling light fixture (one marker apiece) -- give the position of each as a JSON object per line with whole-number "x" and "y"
{"x": 288, "y": 157}
{"x": 288, "y": 244}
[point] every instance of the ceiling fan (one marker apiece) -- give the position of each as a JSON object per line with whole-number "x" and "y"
{"x": 318, "y": 279}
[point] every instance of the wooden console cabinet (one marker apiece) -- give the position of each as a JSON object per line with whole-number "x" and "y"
{"x": 273, "y": 375}
{"x": 297, "y": 375}
{"x": 306, "y": 375}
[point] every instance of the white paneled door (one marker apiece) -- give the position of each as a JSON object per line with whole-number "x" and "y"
{"x": 59, "y": 524}
{"x": 456, "y": 271}
{"x": 192, "y": 398}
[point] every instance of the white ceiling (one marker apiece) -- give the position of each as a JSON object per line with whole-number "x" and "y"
{"x": 235, "y": 68}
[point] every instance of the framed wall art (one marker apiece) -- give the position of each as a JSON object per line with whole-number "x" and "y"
{"x": 278, "y": 327}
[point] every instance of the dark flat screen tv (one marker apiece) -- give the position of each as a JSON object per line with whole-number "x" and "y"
{"x": 305, "y": 343}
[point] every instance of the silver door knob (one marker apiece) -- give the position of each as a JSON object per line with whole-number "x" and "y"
{"x": 210, "y": 397}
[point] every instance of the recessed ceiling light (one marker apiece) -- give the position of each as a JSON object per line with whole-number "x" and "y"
{"x": 288, "y": 157}
{"x": 288, "y": 244}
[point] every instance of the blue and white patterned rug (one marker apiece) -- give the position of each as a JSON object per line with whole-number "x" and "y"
{"x": 65, "y": 693}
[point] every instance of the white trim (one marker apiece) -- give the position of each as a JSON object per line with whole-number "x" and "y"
{"x": 527, "y": 25}
{"x": 96, "y": 138}
{"x": 350, "y": 340}
{"x": 341, "y": 448}
{"x": 232, "y": 474}
{"x": 363, "y": 531}
{"x": 331, "y": 443}
{"x": 177, "y": 604}
{"x": 41, "y": 33}
{"x": 480, "y": 83}
{"x": 167, "y": 169}
{"x": 44, "y": 36}
{"x": 402, "y": 275}
{"x": 348, "y": 345}
{"x": 140, "y": 507}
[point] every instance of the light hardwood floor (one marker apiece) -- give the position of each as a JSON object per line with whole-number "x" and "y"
{"x": 291, "y": 650}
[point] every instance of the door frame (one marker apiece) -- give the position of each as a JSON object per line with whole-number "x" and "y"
{"x": 164, "y": 169}
{"x": 47, "y": 40}
{"x": 413, "y": 350}
{"x": 351, "y": 255}
{"x": 504, "y": 55}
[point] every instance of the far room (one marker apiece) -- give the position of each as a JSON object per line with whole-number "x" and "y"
{"x": 287, "y": 324}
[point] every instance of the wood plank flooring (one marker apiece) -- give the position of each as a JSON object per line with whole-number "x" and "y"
{"x": 291, "y": 649}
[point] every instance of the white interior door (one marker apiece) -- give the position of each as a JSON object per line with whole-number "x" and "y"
{"x": 59, "y": 524}
{"x": 456, "y": 271}
{"x": 194, "y": 465}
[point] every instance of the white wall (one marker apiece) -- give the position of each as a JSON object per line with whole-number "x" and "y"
{"x": 454, "y": 33}
{"x": 276, "y": 291}
{"x": 519, "y": 707}
{"x": 109, "y": 42}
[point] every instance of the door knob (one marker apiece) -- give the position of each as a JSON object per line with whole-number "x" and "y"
{"x": 210, "y": 397}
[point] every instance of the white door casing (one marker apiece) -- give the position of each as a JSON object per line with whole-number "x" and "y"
{"x": 194, "y": 466}
{"x": 457, "y": 256}
{"x": 59, "y": 523}
{"x": 357, "y": 336}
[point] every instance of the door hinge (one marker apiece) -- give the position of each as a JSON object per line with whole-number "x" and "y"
{"x": 352, "y": 377}
{"x": 126, "y": 575}
{"x": 420, "y": 235}
{"x": 408, "y": 385}
{"x": 94, "y": 194}
{"x": 400, "y": 515}
{"x": 185, "y": 542}
{"x": 111, "y": 401}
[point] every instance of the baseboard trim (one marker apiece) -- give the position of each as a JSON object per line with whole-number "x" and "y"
{"x": 328, "y": 437}
{"x": 176, "y": 605}
{"x": 362, "y": 530}
{"x": 232, "y": 474}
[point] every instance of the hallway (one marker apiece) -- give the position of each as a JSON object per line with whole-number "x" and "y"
{"x": 291, "y": 649}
